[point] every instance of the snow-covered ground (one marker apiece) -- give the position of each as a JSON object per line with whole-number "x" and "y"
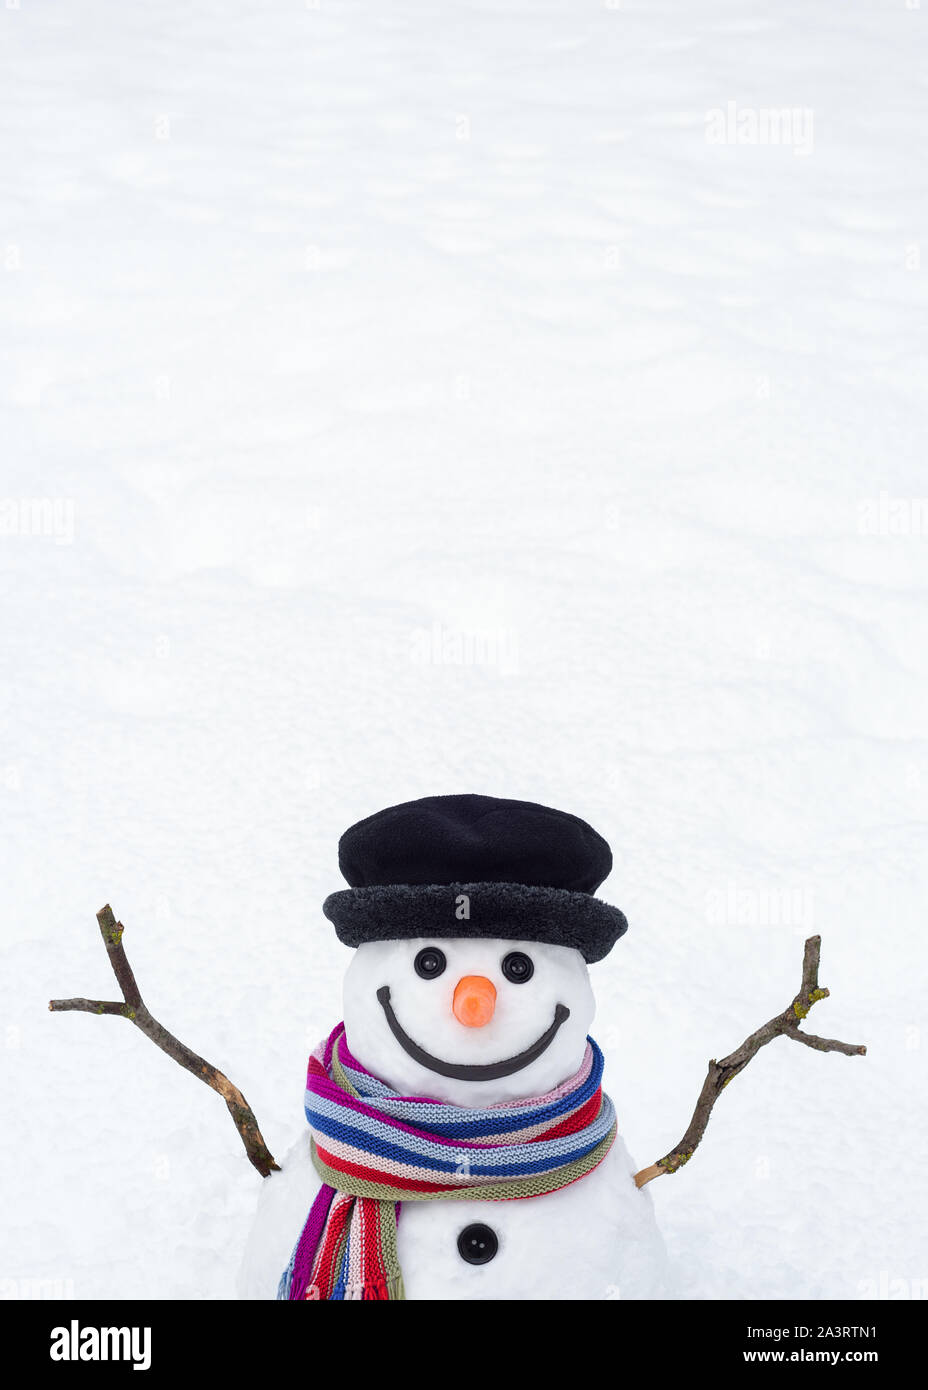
{"x": 494, "y": 397}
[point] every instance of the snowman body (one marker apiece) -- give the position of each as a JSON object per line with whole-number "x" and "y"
{"x": 479, "y": 1023}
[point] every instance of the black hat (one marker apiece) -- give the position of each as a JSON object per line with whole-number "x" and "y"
{"x": 447, "y": 866}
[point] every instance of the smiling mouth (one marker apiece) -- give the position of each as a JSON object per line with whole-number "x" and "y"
{"x": 461, "y": 1071}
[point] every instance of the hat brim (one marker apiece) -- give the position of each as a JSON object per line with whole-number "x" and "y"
{"x": 510, "y": 911}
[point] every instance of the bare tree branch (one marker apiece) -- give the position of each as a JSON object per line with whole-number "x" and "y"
{"x": 828, "y": 1044}
{"x": 89, "y": 1006}
{"x": 134, "y": 1009}
{"x": 719, "y": 1074}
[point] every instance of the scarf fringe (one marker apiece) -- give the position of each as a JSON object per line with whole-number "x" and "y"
{"x": 377, "y": 1291}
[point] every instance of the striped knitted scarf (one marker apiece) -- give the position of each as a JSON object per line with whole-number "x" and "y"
{"x": 375, "y": 1149}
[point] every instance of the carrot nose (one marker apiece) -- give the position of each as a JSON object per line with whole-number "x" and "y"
{"x": 474, "y": 1001}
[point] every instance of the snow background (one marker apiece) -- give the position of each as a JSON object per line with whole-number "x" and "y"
{"x": 429, "y": 406}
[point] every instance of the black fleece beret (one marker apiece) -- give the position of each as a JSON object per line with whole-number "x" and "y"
{"x": 446, "y": 866}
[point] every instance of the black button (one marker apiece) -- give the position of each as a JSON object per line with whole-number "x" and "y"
{"x": 477, "y": 1244}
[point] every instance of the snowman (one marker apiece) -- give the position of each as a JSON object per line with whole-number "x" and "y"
{"x": 460, "y": 1143}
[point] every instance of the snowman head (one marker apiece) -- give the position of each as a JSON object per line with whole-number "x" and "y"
{"x": 474, "y": 919}
{"x": 473, "y": 1021}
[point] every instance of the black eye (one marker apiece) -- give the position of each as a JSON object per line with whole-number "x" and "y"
{"x": 430, "y": 963}
{"x": 518, "y": 967}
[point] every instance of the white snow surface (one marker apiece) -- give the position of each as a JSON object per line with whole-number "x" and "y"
{"x": 421, "y": 402}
